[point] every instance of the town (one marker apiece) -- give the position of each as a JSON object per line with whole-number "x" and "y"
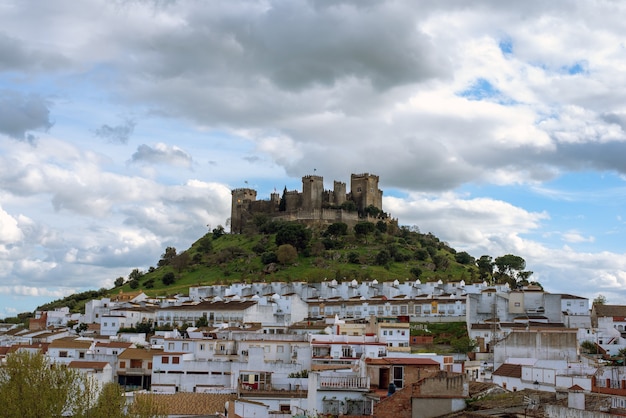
{"x": 343, "y": 348}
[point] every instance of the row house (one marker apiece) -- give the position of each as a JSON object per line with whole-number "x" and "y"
{"x": 401, "y": 306}
{"x": 216, "y": 312}
{"x": 487, "y": 312}
{"x": 329, "y": 289}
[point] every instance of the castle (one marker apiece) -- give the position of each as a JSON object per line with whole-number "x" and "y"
{"x": 313, "y": 205}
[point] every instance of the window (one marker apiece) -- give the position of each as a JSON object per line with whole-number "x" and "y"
{"x": 280, "y": 349}
{"x": 122, "y": 364}
{"x": 81, "y": 354}
{"x": 170, "y": 346}
{"x": 403, "y": 333}
{"x": 385, "y": 332}
{"x": 106, "y": 324}
{"x": 403, "y": 310}
{"x": 185, "y": 346}
{"x": 62, "y": 353}
{"x": 398, "y": 376}
{"x": 201, "y": 347}
{"x": 285, "y": 408}
{"x": 517, "y": 304}
{"x": 165, "y": 360}
{"x": 175, "y": 360}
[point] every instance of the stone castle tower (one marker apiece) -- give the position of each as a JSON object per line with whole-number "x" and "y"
{"x": 312, "y": 205}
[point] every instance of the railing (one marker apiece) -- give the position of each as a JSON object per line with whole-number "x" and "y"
{"x": 290, "y": 390}
{"x": 136, "y": 371}
{"x": 225, "y": 352}
{"x": 344, "y": 382}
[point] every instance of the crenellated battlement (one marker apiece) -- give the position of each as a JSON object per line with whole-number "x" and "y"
{"x": 312, "y": 205}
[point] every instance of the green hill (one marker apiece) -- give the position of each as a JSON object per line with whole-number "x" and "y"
{"x": 285, "y": 251}
{"x": 223, "y": 258}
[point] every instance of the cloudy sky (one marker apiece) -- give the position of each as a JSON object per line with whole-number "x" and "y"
{"x": 500, "y": 128}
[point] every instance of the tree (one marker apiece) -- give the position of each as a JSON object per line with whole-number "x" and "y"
{"x": 337, "y": 229}
{"x": 218, "y": 231}
{"x": 294, "y": 234}
{"x": 136, "y": 274}
{"x": 354, "y": 258}
{"x": 383, "y": 258}
{"x": 510, "y": 264}
{"x": 463, "y": 345}
{"x": 421, "y": 254}
{"x": 464, "y": 258}
{"x": 168, "y": 278}
{"x": 441, "y": 262}
{"x": 286, "y": 254}
{"x": 416, "y": 272}
{"x": 361, "y": 229}
{"x": 600, "y": 300}
{"x": 282, "y": 205}
{"x": 180, "y": 262}
{"x": 166, "y": 257}
{"x": 110, "y": 403}
{"x": 202, "y": 322}
{"x": 485, "y": 266}
{"x": 31, "y": 386}
{"x": 82, "y": 327}
{"x": 205, "y": 244}
{"x": 119, "y": 282}
{"x": 372, "y": 211}
{"x": 381, "y": 226}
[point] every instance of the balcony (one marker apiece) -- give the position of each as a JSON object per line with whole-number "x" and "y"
{"x": 230, "y": 352}
{"x": 344, "y": 383}
{"x": 135, "y": 371}
{"x": 271, "y": 390}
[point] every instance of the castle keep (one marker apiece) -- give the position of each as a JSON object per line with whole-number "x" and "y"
{"x": 312, "y": 205}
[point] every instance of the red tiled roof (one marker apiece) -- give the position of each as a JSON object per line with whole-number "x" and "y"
{"x": 95, "y": 365}
{"x": 509, "y": 370}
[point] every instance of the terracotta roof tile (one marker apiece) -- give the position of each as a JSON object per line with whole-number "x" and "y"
{"x": 509, "y": 370}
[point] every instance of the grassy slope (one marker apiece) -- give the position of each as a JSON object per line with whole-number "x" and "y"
{"x": 218, "y": 267}
{"x": 232, "y": 259}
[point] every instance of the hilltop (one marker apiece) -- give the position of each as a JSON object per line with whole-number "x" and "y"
{"x": 289, "y": 251}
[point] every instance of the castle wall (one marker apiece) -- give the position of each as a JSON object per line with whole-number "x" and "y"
{"x": 293, "y": 200}
{"x": 308, "y": 206}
